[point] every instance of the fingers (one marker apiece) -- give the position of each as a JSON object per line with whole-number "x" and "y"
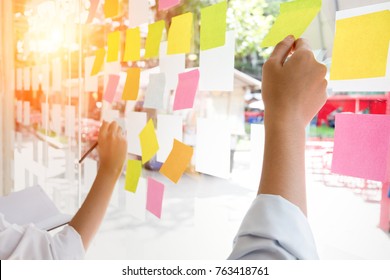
{"x": 113, "y": 127}
{"x": 103, "y": 129}
{"x": 283, "y": 49}
{"x": 301, "y": 43}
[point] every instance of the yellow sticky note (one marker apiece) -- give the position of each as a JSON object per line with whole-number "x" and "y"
{"x": 361, "y": 46}
{"x": 111, "y": 8}
{"x": 293, "y": 19}
{"x": 180, "y": 34}
{"x": 177, "y": 161}
{"x": 130, "y": 92}
{"x": 148, "y": 141}
{"x": 152, "y": 44}
{"x": 99, "y": 60}
{"x": 113, "y": 42}
{"x": 133, "y": 45}
{"x": 213, "y": 26}
{"x": 133, "y": 172}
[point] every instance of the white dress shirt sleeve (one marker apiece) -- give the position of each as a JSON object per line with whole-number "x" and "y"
{"x": 28, "y": 242}
{"x": 274, "y": 228}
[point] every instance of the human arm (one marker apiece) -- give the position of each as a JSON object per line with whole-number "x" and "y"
{"x": 112, "y": 151}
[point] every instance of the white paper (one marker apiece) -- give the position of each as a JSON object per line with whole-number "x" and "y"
{"x": 91, "y": 82}
{"x": 56, "y": 123}
{"x": 138, "y": 12}
{"x": 26, "y": 78}
{"x": 169, "y": 127}
{"x": 111, "y": 68}
{"x": 70, "y": 120}
{"x": 213, "y": 145}
{"x": 35, "y": 78}
{"x": 45, "y": 74}
{"x": 154, "y": 96}
{"x": 110, "y": 115}
{"x": 135, "y": 122}
{"x": 257, "y": 151}
{"x": 216, "y": 66}
{"x": 19, "y": 111}
{"x": 19, "y": 79}
{"x": 26, "y": 113}
{"x": 136, "y": 202}
{"x": 57, "y": 74}
{"x": 171, "y": 65}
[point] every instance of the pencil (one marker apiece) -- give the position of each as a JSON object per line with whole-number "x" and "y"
{"x": 88, "y": 152}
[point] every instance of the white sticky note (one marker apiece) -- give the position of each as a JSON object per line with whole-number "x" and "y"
{"x": 45, "y": 74}
{"x": 70, "y": 120}
{"x": 138, "y": 12}
{"x": 257, "y": 151}
{"x": 136, "y": 202}
{"x": 154, "y": 96}
{"x": 19, "y": 111}
{"x": 55, "y": 116}
{"x": 169, "y": 127}
{"x": 91, "y": 82}
{"x": 213, "y": 145}
{"x": 216, "y": 66}
{"x": 109, "y": 114}
{"x": 135, "y": 122}
{"x": 35, "y": 77}
{"x": 26, "y": 78}
{"x": 56, "y": 74}
{"x": 111, "y": 68}
{"x": 19, "y": 79}
{"x": 26, "y": 113}
{"x": 171, "y": 65}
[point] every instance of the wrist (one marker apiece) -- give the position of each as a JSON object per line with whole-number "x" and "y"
{"x": 109, "y": 171}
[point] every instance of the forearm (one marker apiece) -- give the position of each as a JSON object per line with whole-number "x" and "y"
{"x": 284, "y": 163}
{"x": 87, "y": 220}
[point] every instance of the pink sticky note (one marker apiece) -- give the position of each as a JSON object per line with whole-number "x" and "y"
{"x": 186, "y": 89}
{"x": 362, "y": 146}
{"x": 167, "y": 4}
{"x": 112, "y": 84}
{"x": 154, "y": 197}
{"x": 92, "y": 10}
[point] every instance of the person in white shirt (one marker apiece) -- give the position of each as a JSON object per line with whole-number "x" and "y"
{"x": 275, "y": 226}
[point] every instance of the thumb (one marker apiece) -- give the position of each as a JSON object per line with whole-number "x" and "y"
{"x": 282, "y": 49}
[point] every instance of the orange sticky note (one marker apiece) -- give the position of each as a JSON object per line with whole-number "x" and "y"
{"x": 113, "y": 46}
{"x": 130, "y": 92}
{"x": 180, "y": 34}
{"x": 148, "y": 140}
{"x": 177, "y": 161}
{"x": 99, "y": 60}
{"x": 133, "y": 45}
{"x": 133, "y": 172}
{"x": 111, "y": 8}
{"x": 152, "y": 44}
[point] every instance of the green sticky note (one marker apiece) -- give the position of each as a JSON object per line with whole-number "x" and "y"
{"x": 113, "y": 46}
{"x": 133, "y": 45}
{"x": 133, "y": 172}
{"x": 152, "y": 44}
{"x": 293, "y": 19}
{"x": 148, "y": 140}
{"x": 180, "y": 34}
{"x": 213, "y": 26}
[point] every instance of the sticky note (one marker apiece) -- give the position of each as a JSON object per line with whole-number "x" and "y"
{"x": 99, "y": 60}
{"x": 35, "y": 77}
{"x": 167, "y": 4}
{"x": 135, "y": 122}
{"x": 361, "y": 146}
{"x": 110, "y": 68}
{"x": 180, "y": 34}
{"x": 177, "y": 161}
{"x": 148, "y": 141}
{"x": 133, "y": 172}
{"x": 217, "y": 66}
{"x": 56, "y": 120}
{"x": 112, "y": 85}
{"x": 186, "y": 89}
{"x": 111, "y": 8}
{"x": 154, "y": 199}
{"x": 45, "y": 72}
{"x": 154, "y": 95}
{"x": 130, "y": 92}
{"x": 171, "y": 65}
{"x": 293, "y": 19}
{"x": 92, "y": 10}
{"x": 153, "y": 39}
{"x": 136, "y": 202}
{"x": 26, "y": 78}
{"x": 361, "y": 46}
{"x": 138, "y": 12}
{"x": 213, "y": 26}
{"x": 133, "y": 45}
{"x": 70, "y": 120}
{"x": 169, "y": 127}
{"x": 113, "y": 42}
{"x": 91, "y": 83}
{"x": 26, "y": 113}
{"x": 213, "y": 145}
{"x": 19, "y": 78}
